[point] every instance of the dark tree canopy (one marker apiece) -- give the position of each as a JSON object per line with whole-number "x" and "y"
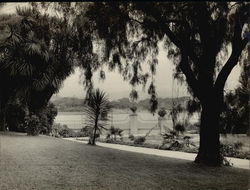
{"x": 36, "y": 56}
{"x": 198, "y": 37}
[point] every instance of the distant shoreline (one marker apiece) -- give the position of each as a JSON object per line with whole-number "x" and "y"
{"x": 119, "y": 106}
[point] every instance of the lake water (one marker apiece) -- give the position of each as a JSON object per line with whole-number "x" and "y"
{"x": 76, "y": 119}
{"x": 145, "y": 121}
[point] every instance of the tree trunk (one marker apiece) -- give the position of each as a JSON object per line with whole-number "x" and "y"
{"x": 2, "y": 121}
{"x": 94, "y": 136}
{"x": 209, "y": 150}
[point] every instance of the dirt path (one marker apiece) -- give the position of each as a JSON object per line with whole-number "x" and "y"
{"x": 52, "y": 163}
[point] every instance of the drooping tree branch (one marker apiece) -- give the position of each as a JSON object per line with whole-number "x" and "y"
{"x": 162, "y": 22}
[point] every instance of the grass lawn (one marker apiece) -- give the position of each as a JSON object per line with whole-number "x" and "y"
{"x": 52, "y": 163}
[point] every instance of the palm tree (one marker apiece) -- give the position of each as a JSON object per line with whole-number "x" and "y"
{"x": 96, "y": 110}
{"x": 35, "y": 57}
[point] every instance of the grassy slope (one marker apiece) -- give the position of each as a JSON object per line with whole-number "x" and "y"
{"x": 51, "y": 163}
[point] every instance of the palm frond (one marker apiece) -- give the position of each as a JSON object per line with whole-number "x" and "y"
{"x": 96, "y": 109}
{"x": 33, "y": 49}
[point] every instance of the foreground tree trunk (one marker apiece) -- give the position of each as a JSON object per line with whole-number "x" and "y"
{"x": 94, "y": 136}
{"x": 209, "y": 150}
{"x": 95, "y": 128}
{"x": 2, "y": 121}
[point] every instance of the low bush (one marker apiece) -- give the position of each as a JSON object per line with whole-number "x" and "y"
{"x": 32, "y": 125}
{"x": 65, "y": 132}
{"x": 86, "y": 131}
{"x": 162, "y": 112}
{"x": 131, "y": 137}
{"x": 139, "y": 140}
{"x": 231, "y": 149}
{"x": 173, "y": 133}
{"x": 59, "y": 130}
{"x": 113, "y": 133}
{"x": 171, "y": 141}
{"x": 244, "y": 155}
{"x": 133, "y": 109}
{"x": 179, "y": 127}
{"x": 109, "y": 139}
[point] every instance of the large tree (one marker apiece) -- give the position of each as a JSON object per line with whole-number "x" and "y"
{"x": 36, "y": 56}
{"x": 204, "y": 39}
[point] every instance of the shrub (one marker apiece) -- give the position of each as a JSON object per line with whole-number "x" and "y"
{"x": 139, "y": 140}
{"x": 86, "y": 131}
{"x": 131, "y": 137}
{"x": 170, "y": 142}
{"x": 47, "y": 116}
{"x": 109, "y": 139}
{"x": 65, "y": 132}
{"x": 15, "y": 117}
{"x": 33, "y": 126}
{"x": 231, "y": 149}
{"x": 35, "y": 123}
{"x": 61, "y": 130}
{"x": 168, "y": 138}
{"x": 133, "y": 109}
{"x": 179, "y": 127}
{"x": 113, "y": 133}
{"x": 176, "y": 145}
{"x": 162, "y": 112}
{"x": 173, "y": 133}
{"x": 244, "y": 155}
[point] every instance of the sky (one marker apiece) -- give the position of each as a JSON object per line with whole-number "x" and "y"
{"x": 116, "y": 88}
{"x": 114, "y": 85}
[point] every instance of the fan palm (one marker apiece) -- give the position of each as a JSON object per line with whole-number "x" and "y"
{"x": 34, "y": 57}
{"x": 96, "y": 110}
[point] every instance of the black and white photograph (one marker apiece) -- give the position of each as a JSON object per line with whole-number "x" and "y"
{"x": 125, "y": 95}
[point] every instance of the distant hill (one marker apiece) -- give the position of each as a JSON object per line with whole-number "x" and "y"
{"x": 69, "y": 104}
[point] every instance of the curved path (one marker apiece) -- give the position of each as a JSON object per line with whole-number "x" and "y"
{"x": 238, "y": 163}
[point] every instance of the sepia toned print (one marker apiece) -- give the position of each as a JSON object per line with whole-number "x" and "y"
{"x": 129, "y": 95}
